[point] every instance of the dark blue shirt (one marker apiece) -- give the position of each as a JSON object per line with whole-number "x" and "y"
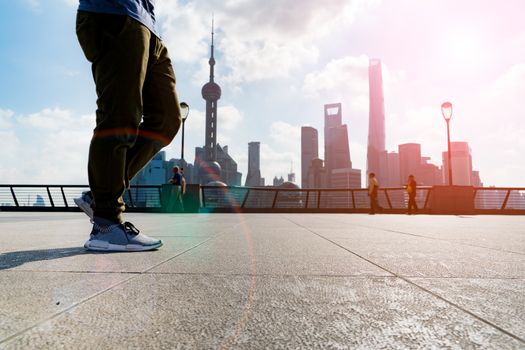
{"x": 177, "y": 179}
{"x": 139, "y": 10}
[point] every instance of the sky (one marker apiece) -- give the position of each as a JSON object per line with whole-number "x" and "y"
{"x": 278, "y": 63}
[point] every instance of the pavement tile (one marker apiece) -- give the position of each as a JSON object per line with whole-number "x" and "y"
{"x": 242, "y": 312}
{"x": 500, "y": 301}
{"x": 250, "y": 281}
{"x": 29, "y": 297}
{"x": 415, "y": 256}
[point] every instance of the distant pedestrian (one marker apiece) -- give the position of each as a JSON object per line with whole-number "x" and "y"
{"x": 373, "y": 189}
{"x": 411, "y": 190}
{"x": 178, "y": 180}
{"x": 137, "y": 114}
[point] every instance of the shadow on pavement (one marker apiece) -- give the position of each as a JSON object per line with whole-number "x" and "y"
{"x": 14, "y": 259}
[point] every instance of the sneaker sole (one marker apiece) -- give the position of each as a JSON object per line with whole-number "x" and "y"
{"x": 84, "y": 206}
{"x": 104, "y": 246}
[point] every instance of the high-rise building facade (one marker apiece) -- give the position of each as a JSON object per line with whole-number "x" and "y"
{"x": 337, "y": 151}
{"x": 376, "y": 121}
{"x": 393, "y": 177}
{"x": 461, "y": 164}
{"x": 309, "y": 151}
{"x": 253, "y": 178}
{"x": 409, "y": 160}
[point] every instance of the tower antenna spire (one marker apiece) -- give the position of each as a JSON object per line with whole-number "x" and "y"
{"x": 212, "y": 57}
{"x": 212, "y": 31}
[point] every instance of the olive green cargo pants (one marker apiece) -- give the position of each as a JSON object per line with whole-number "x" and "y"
{"x": 138, "y": 110}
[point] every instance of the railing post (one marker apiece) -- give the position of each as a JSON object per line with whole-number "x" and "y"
{"x": 427, "y": 198}
{"x": 130, "y": 198}
{"x": 387, "y": 198}
{"x": 160, "y": 194}
{"x": 50, "y": 198}
{"x": 275, "y": 198}
{"x": 307, "y": 198}
{"x": 14, "y": 196}
{"x": 245, "y": 198}
{"x": 203, "y": 197}
{"x": 64, "y": 196}
{"x": 318, "y": 199}
{"x": 504, "y": 205}
{"x": 353, "y": 199}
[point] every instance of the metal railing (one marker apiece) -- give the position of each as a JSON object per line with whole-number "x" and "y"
{"x": 148, "y": 198}
{"x": 309, "y": 200}
{"x": 495, "y": 200}
{"x": 60, "y": 197}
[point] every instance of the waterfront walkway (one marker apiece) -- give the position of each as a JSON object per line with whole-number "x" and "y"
{"x": 256, "y": 281}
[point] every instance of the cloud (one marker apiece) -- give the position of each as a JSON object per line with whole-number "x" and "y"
{"x": 341, "y": 79}
{"x": 255, "y": 40}
{"x": 229, "y": 118}
{"x": 286, "y": 136}
{"x": 49, "y": 146}
{"x": 5, "y": 118}
{"x": 55, "y": 119}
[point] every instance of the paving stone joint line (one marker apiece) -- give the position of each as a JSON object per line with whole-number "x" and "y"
{"x": 417, "y": 286}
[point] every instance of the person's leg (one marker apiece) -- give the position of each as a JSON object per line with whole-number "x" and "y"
{"x": 161, "y": 110}
{"x": 118, "y": 48}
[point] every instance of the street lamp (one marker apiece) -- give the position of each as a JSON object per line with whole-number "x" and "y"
{"x": 184, "y": 111}
{"x": 446, "y": 110}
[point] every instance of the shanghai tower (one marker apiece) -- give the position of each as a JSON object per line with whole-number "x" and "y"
{"x": 376, "y": 122}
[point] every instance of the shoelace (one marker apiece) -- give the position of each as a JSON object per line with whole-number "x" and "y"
{"x": 130, "y": 228}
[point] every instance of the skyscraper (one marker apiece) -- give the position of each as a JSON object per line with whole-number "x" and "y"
{"x": 461, "y": 164}
{"x": 253, "y": 178}
{"x": 409, "y": 160}
{"x": 376, "y": 121}
{"x": 336, "y": 149}
{"x": 393, "y": 177}
{"x": 309, "y": 151}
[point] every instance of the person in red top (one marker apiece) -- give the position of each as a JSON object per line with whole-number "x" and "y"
{"x": 411, "y": 190}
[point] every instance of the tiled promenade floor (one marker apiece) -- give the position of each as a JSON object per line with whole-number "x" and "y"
{"x": 266, "y": 281}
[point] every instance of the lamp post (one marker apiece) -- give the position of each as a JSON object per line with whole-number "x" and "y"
{"x": 446, "y": 110}
{"x": 184, "y": 111}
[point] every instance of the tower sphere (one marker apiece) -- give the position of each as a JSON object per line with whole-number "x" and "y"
{"x": 211, "y": 91}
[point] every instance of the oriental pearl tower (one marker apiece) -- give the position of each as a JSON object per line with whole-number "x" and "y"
{"x": 211, "y": 92}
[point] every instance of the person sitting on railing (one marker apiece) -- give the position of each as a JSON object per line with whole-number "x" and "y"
{"x": 411, "y": 190}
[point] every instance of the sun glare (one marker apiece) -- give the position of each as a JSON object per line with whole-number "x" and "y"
{"x": 464, "y": 48}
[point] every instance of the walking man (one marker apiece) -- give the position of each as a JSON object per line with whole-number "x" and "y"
{"x": 411, "y": 190}
{"x": 137, "y": 113}
{"x": 373, "y": 188}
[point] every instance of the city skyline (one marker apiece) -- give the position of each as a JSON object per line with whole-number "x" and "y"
{"x": 278, "y": 72}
